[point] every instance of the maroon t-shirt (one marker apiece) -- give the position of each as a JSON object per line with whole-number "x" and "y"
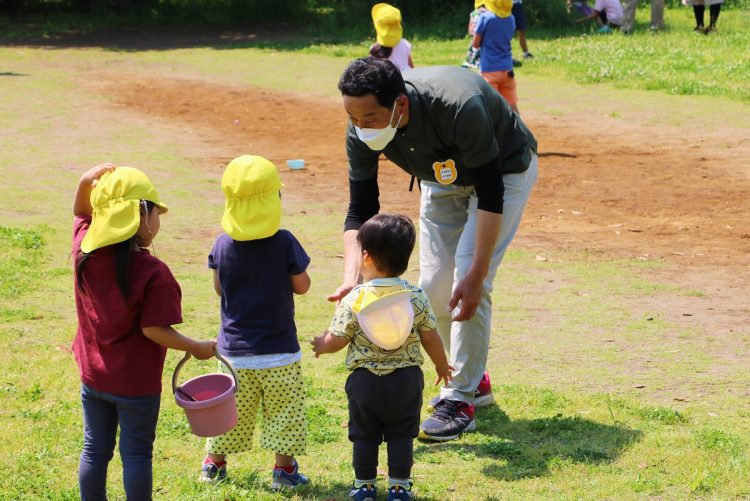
{"x": 112, "y": 353}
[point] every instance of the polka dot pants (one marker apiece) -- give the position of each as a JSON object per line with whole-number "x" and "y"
{"x": 280, "y": 394}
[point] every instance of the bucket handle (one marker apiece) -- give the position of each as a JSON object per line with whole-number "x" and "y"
{"x": 218, "y": 356}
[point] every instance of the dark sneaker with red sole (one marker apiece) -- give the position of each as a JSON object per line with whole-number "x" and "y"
{"x": 449, "y": 420}
{"x": 482, "y": 395}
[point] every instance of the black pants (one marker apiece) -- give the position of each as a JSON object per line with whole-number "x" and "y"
{"x": 384, "y": 408}
{"x": 699, "y": 10}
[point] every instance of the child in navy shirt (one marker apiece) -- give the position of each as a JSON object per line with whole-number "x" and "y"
{"x": 257, "y": 270}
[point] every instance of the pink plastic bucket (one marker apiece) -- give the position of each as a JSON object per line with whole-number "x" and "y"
{"x": 209, "y": 401}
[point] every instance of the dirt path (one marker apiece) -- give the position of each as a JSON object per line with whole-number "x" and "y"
{"x": 652, "y": 191}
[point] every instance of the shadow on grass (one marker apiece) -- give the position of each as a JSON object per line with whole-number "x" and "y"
{"x": 525, "y": 448}
{"x": 12, "y": 74}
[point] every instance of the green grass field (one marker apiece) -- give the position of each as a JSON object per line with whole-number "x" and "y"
{"x": 571, "y": 420}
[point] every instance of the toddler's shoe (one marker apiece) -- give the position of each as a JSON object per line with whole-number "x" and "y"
{"x": 365, "y": 492}
{"x": 213, "y": 472}
{"x": 284, "y": 480}
{"x": 604, "y": 30}
{"x": 399, "y": 493}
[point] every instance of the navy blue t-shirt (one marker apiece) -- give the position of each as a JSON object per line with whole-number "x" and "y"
{"x": 257, "y": 302}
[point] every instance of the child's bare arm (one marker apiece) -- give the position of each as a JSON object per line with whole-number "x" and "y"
{"x": 327, "y": 343}
{"x": 217, "y": 283}
{"x": 476, "y": 41}
{"x": 433, "y": 345}
{"x": 168, "y": 337}
{"x": 301, "y": 283}
{"x": 82, "y": 198}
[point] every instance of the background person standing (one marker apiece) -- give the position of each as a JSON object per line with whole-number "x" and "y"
{"x": 628, "y": 16}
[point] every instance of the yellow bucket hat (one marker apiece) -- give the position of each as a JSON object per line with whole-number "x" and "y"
{"x": 116, "y": 200}
{"x": 252, "y": 208}
{"x": 501, "y": 8}
{"x": 387, "y": 19}
{"x": 479, "y": 3}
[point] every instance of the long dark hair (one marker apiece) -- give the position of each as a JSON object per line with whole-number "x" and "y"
{"x": 123, "y": 255}
{"x": 381, "y": 51}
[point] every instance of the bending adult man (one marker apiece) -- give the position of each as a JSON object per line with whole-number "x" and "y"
{"x": 476, "y": 162}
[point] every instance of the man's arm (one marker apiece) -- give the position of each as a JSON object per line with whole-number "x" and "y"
{"x": 468, "y": 291}
{"x": 363, "y": 204}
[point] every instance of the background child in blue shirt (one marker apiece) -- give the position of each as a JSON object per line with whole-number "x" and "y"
{"x": 493, "y": 34}
{"x": 385, "y": 386}
{"x": 257, "y": 269}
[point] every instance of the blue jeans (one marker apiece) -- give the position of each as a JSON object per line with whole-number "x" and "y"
{"x": 136, "y": 417}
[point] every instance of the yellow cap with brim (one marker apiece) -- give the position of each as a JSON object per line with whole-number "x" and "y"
{"x": 252, "y": 208}
{"x": 501, "y": 8}
{"x": 387, "y": 19}
{"x": 116, "y": 200}
{"x": 478, "y": 3}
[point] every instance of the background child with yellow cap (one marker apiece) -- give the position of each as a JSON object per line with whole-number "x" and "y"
{"x": 494, "y": 33}
{"x": 257, "y": 269}
{"x": 385, "y": 386}
{"x": 390, "y": 42}
{"x": 126, "y": 300}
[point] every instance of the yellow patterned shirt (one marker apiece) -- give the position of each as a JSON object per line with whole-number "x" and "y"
{"x": 362, "y": 353}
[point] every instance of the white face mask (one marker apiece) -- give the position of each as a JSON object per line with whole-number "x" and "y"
{"x": 378, "y": 139}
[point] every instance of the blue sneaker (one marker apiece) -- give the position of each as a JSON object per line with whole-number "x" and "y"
{"x": 211, "y": 472}
{"x": 365, "y": 492}
{"x": 284, "y": 480}
{"x": 604, "y": 30}
{"x": 448, "y": 421}
{"x": 400, "y": 493}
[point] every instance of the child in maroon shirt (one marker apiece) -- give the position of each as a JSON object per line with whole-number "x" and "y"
{"x": 127, "y": 300}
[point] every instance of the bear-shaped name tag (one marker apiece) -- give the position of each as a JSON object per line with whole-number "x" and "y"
{"x": 445, "y": 172}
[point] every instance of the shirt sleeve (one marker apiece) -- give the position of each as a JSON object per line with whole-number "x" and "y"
{"x": 80, "y": 228}
{"x": 214, "y": 255}
{"x": 480, "y": 25}
{"x": 363, "y": 181}
{"x": 344, "y": 322}
{"x": 161, "y": 299}
{"x": 424, "y": 317}
{"x": 474, "y": 132}
{"x": 364, "y": 202}
{"x": 488, "y": 183}
{"x": 599, "y": 5}
{"x": 296, "y": 257}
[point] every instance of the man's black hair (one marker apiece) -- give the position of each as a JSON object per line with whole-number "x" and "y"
{"x": 389, "y": 240}
{"x": 378, "y": 77}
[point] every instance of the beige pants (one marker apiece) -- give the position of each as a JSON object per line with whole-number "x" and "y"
{"x": 628, "y": 17}
{"x": 280, "y": 394}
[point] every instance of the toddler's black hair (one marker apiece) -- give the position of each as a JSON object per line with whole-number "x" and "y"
{"x": 389, "y": 240}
